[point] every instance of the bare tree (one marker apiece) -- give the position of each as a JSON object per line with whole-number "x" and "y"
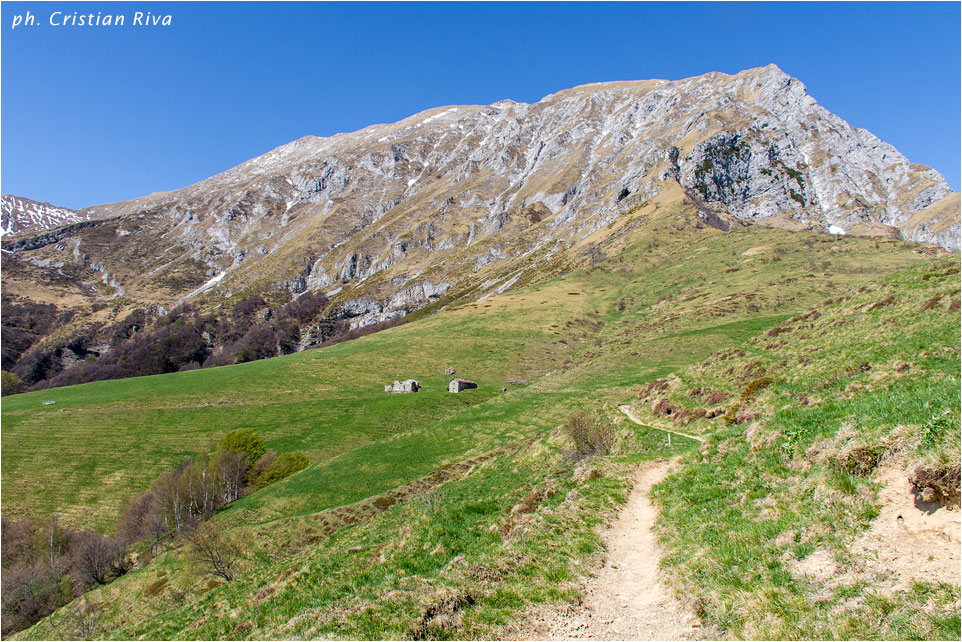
{"x": 213, "y": 549}
{"x": 83, "y": 618}
{"x": 30, "y": 591}
{"x": 96, "y": 558}
{"x": 172, "y": 499}
{"x": 232, "y": 468}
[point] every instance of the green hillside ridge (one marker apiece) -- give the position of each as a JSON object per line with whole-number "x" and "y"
{"x": 816, "y": 411}
{"x": 438, "y": 515}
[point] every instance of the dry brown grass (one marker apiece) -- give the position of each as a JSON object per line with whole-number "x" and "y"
{"x": 592, "y": 434}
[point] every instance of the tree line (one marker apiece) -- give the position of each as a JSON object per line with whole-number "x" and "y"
{"x": 46, "y": 565}
{"x": 182, "y": 339}
{"x": 144, "y": 344}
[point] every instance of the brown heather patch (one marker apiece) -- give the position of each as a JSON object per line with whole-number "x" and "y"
{"x": 442, "y": 614}
{"x": 658, "y": 385}
{"x": 157, "y": 587}
{"x": 890, "y": 299}
{"x": 241, "y": 629}
{"x": 715, "y": 412}
{"x": 774, "y": 332}
{"x": 264, "y": 593}
{"x": 664, "y": 407}
{"x": 931, "y": 303}
{"x": 752, "y": 370}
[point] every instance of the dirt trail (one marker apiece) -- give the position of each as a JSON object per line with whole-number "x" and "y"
{"x": 626, "y": 409}
{"x": 626, "y": 599}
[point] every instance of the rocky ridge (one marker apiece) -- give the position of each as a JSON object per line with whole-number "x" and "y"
{"x": 24, "y": 216}
{"x": 470, "y": 199}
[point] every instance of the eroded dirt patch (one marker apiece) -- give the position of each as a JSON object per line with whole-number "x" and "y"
{"x": 912, "y": 540}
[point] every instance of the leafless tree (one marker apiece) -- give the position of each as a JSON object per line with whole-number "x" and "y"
{"x": 216, "y": 551}
{"x": 83, "y": 619}
{"x": 96, "y": 558}
{"x": 29, "y": 592}
{"x": 171, "y": 500}
{"x": 232, "y": 467}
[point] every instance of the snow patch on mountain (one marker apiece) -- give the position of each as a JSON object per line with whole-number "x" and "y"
{"x": 24, "y": 216}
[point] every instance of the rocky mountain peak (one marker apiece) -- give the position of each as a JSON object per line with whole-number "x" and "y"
{"x": 391, "y": 217}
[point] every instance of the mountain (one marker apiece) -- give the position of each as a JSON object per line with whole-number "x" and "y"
{"x": 23, "y": 216}
{"x": 462, "y": 202}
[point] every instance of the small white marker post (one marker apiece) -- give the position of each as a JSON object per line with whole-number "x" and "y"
{"x": 669, "y": 440}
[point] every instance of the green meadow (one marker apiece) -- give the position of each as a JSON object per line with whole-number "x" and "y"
{"x": 433, "y": 515}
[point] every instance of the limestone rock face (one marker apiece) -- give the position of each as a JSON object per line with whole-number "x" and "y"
{"x": 390, "y": 218}
{"x": 798, "y": 160}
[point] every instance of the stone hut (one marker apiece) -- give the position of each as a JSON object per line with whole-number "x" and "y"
{"x": 457, "y": 385}
{"x": 408, "y": 385}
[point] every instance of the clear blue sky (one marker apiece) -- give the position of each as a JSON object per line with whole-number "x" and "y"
{"x": 92, "y": 115}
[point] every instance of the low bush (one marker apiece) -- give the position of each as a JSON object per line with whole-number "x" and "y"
{"x": 278, "y": 468}
{"x": 244, "y": 440}
{"x": 592, "y": 433}
{"x": 213, "y": 550}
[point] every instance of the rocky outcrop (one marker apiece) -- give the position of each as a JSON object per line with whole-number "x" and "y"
{"x": 38, "y": 241}
{"x": 365, "y": 311}
{"x": 798, "y": 161}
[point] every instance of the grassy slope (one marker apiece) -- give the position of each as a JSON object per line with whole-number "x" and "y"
{"x": 865, "y": 382}
{"x": 671, "y": 298}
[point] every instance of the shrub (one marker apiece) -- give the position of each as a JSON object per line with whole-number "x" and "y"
{"x": 277, "y": 468}
{"x": 10, "y": 384}
{"x": 592, "y": 434}
{"x": 83, "y": 619}
{"x": 261, "y": 467}
{"x": 752, "y": 388}
{"x": 244, "y": 440}
{"x": 715, "y": 398}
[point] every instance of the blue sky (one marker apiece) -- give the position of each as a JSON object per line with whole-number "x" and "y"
{"x": 91, "y": 115}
